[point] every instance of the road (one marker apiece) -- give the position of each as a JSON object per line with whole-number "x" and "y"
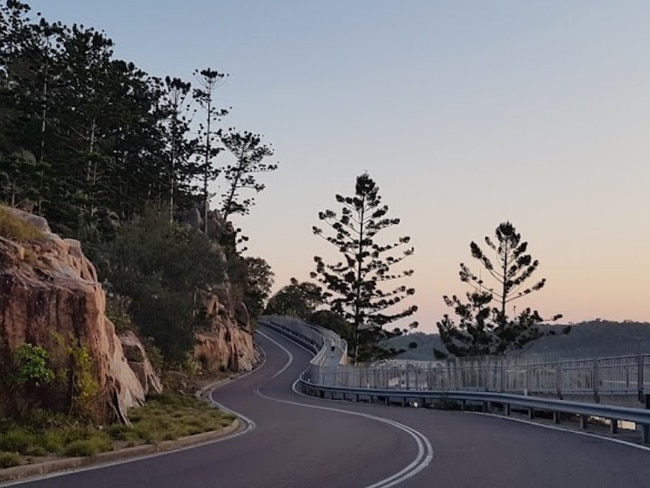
{"x": 296, "y": 441}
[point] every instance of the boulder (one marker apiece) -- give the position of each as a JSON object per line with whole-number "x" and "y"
{"x": 50, "y": 297}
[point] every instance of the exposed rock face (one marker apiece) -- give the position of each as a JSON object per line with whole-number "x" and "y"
{"x": 50, "y": 297}
{"x": 228, "y": 343}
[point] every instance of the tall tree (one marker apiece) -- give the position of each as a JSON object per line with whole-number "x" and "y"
{"x": 175, "y": 111}
{"x": 485, "y": 326}
{"x": 355, "y": 282}
{"x": 208, "y": 80}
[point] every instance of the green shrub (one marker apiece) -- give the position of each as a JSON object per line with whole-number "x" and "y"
{"x": 87, "y": 447}
{"x": 11, "y": 227}
{"x": 36, "y": 450}
{"x": 76, "y": 434}
{"x": 9, "y": 459}
{"x": 16, "y": 440}
{"x": 54, "y": 440}
{"x": 120, "y": 432}
{"x": 38, "y": 420}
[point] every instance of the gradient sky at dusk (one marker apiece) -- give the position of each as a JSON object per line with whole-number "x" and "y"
{"x": 465, "y": 113}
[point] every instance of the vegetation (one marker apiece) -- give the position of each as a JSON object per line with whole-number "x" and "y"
{"x": 354, "y": 284}
{"x": 254, "y": 283}
{"x": 162, "y": 268}
{"x": 484, "y": 329}
{"x": 165, "y": 417}
{"x": 297, "y": 299}
{"x": 11, "y": 227}
{"x": 109, "y": 155}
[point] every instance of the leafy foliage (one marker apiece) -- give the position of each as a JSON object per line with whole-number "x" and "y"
{"x": 257, "y": 281}
{"x": 354, "y": 284}
{"x": 162, "y": 267}
{"x": 484, "y": 329}
{"x": 249, "y": 153}
{"x": 88, "y": 139}
{"x": 31, "y": 366}
{"x": 297, "y": 299}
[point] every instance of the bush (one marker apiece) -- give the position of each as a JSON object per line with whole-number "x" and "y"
{"x": 16, "y": 440}
{"x": 11, "y": 227}
{"x": 54, "y": 441}
{"x": 9, "y": 459}
{"x": 88, "y": 447}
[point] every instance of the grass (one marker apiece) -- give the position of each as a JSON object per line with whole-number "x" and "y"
{"x": 11, "y": 227}
{"x": 168, "y": 416}
{"x": 9, "y": 459}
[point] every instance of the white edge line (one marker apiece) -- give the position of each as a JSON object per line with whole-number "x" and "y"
{"x": 568, "y": 431}
{"x": 425, "y": 450}
{"x": 523, "y": 421}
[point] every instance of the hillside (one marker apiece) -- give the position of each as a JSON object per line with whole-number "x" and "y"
{"x": 587, "y": 339}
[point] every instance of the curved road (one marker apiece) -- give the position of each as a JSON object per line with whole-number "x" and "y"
{"x": 297, "y": 441}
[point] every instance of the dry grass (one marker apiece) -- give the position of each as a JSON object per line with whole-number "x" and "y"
{"x": 11, "y": 227}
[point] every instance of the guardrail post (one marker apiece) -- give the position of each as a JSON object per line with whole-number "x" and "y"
{"x": 645, "y": 433}
{"x": 639, "y": 375}
{"x": 556, "y": 417}
{"x": 596, "y": 381}
{"x": 613, "y": 426}
{"x": 506, "y": 409}
{"x": 583, "y": 421}
{"x": 502, "y": 376}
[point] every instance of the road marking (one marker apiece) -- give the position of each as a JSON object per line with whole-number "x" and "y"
{"x": 425, "y": 450}
{"x": 288, "y": 363}
{"x": 569, "y": 431}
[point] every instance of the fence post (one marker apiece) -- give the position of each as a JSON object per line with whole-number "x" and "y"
{"x": 596, "y": 381}
{"x": 640, "y": 360}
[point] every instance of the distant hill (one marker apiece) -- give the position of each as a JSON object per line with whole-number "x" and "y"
{"x": 596, "y": 338}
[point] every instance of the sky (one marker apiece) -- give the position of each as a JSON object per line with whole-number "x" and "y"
{"x": 465, "y": 113}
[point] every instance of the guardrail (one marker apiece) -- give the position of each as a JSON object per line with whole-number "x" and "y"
{"x": 325, "y": 344}
{"x": 612, "y": 413}
{"x": 485, "y": 383}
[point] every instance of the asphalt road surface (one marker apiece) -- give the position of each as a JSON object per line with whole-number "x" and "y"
{"x": 295, "y": 441}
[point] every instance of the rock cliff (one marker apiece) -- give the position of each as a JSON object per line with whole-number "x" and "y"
{"x": 50, "y": 297}
{"x": 227, "y": 344}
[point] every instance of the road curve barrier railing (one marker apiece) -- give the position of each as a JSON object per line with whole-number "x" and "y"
{"x": 605, "y": 388}
{"x": 329, "y": 348}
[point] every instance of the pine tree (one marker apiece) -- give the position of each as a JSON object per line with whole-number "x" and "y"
{"x": 484, "y": 328}
{"x": 355, "y": 283}
{"x": 208, "y": 80}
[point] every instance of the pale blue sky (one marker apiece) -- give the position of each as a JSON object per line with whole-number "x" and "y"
{"x": 466, "y": 114}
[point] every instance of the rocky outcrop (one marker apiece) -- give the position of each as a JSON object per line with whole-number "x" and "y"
{"x": 227, "y": 344}
{"x": 50, "y": 297}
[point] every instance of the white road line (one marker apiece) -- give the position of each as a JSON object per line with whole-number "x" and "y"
{"x": 523, "y": 421}
{"x": 284, "y": 368}
{"x": 568, "y": 431}
{"x": 425, "y": 450}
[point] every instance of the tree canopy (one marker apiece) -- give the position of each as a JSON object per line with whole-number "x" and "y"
{"x": 485, "y": 326}
{"x": 356, "y": 284}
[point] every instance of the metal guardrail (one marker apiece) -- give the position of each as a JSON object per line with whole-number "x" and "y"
{"x": 316, "y": 338}
{"x": 503, "y": 382}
